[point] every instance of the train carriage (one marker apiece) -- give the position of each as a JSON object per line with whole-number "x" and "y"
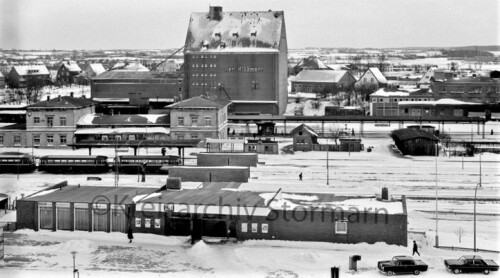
{"x": 14, "y": 162}
{"x": 134, "y": 164}
{"x": 74, "y": 164}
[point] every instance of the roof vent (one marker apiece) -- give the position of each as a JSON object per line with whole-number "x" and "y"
{"x": 253, "y": 34}
{"x": 235, "y": 35}
{"x": 222, "y": 45}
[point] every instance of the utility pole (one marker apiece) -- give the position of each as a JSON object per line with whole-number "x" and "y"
{"x": 437, "y": 236}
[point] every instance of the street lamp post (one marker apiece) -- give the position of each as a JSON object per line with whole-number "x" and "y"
{"x": 75, "y": 271}
{"x": 437, "y": 236}
{"x": 475, "y": 199}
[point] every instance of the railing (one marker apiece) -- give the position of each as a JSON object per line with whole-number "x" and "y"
{"x": 456, "y": 248}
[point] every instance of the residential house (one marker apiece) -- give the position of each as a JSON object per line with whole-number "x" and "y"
{"x": 372, "y": 78}
{"x": 318, "y": 81}
{"x": 425, "y": 81}
{"x": 2, "y": 81}
{"x": 93, "y": 70}
{"x": 21, "y": 76}
{"x": 198, "y": 118}
{"x": 67, "y": 72}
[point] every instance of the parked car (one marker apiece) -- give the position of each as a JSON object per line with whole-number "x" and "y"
{"x": 471, "y": 263}
{"x": 402, "y": 264}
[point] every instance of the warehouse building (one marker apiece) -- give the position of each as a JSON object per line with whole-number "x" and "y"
{"x": 217, "y": 210}
{"x": 241, "y": 56}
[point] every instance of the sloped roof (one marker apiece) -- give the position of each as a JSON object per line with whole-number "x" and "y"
{"x": 72, "y": 67}
{"x": 97, "y": 68}
{"x": 304, "y": 128}
{"x": 23, "y": 70}
{"x": 410, "y": 133}
{"x": 200, "y": 102}
{"x": 63, "y": 102}
{"x": 98, "y": 119}
{"x": 248, "y": 29}
{"x": 443, "y": 101}
{"x": 311, "y": 62}
{"x": 1, "y": 75}
{"x": 118, "y": 74}
{"x": 320, "y": 76}
{"x": 129, "y": 67}
{"x": 376, "y": 72}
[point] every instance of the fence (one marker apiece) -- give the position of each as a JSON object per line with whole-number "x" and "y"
{"x": 8, "y": 226}
{"x": 455, "y": 248}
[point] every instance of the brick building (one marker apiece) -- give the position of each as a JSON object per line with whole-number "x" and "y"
{"x": 384, "y": 102}
{"x": 239, "y": 54}
{"x": 480, "y": 89}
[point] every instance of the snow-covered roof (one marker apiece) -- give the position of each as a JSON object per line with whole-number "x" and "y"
{"x": 99, "y": 119}
{"x": 123, "y": 130}
{"x": 31, "y": 70}
{"x": 311, "y": 62}
{"x": 62, "y": 102}
{"x": 291, "y": 201}
{"x": 199, "y": 102}
{"x": 383, "y": 93}
{"x": 378, "y": 75}
{"x": 320, "y": 76}
{"x": 72, "y": 67}
{"x": 443, "y": 101}
{"x": 97, "y": 68}
{"x": 129, "y": 67}
{"x": 246, "y": 29}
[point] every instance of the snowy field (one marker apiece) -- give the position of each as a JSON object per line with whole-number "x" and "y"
{"x": 47, "y": 254}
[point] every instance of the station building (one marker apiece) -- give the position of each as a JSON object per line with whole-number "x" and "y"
{"x": 212, "y": 211}
{"x": 240, "y": 56}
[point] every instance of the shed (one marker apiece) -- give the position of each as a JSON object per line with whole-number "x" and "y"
{"x": 304, "y": 138}
{"x": 264, "y": 146}
{"x": 415, "y": 141}
{"x": 350, "y": 145}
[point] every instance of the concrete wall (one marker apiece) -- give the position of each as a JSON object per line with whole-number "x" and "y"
{"x": 207, "y": 174}
{"x": 227, "y": 159}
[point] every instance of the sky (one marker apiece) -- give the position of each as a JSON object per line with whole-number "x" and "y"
{"x": 162, "y": 24}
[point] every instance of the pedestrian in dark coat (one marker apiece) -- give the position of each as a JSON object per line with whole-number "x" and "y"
{"x": 130, "y": 234}
{"x": 415, "y": 248}
{"x": 300, "y": 176}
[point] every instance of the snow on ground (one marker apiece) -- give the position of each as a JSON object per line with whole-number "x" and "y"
{"x": 46, "y": 254}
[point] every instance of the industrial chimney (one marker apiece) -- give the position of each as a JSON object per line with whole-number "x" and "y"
{"x": 215, "y": 13}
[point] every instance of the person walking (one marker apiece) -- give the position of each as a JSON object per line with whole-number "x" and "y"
{"x": 130, "y": 234}
{"x": 415, "y": 248}
{"x": 163, "y": 151}
{"x": 300, "y": 176}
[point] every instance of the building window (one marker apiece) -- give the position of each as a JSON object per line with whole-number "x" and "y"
{"x": 341, "y": 227}
{"x": 255, "y": 227}
{"x": 36, "y": 140}
{"x": 50, "y": 120}
{"x": 244, "y": 227}
{"x": 63, "y": 121}
{"x": 374, "y": 100}
{"x": 255, "y": 85}
{"x": 180, "y": 121}
{"x": 17, "y": 140}
{"x": 50, "y": 140}
{"x": 194, "y": 136}
{"x": 208, "y": 121}
{"x": 372, "y": 79}
{"x": 264, "y": 228}
{"x": 194, "y": 120}
{"x": 62, "y": 139}
{"x": 36, "y": 120}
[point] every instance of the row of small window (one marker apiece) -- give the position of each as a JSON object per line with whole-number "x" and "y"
{"x": 204, "y": 56}
{"x": 302, "y": 141}
{"x": 340, "y": 227}
{"x": 182, "y": 136}
{"x": 148, "y": 223}
{"x": 50, "y": 120}
{"x": 204, "y": 65}
{"x": 365, "y": 79}
{"x": 212, "y": 84}
{"x": 204, "y": 75}
{"x": 470, "y": 90}
{"x": 387, "y": 100}
{"x": 194, "y": 121}
{"x": 36, "y": 140}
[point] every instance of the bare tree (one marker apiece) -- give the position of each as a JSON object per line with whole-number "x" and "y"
{"x": 381, "y": 62}
{"x": 34, "y": 88}
{"x": 460, "y": 232}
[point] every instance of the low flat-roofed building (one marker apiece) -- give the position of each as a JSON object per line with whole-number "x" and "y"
{"x": 384, "y": 102}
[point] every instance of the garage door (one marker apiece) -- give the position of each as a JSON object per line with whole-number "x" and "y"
{"x": 100, "y": 217}
{"x": 63, "y": 216}
{"x": 118, "y": 218}
{"x": 45, "y": 215}
{"x": 82, "y": 217}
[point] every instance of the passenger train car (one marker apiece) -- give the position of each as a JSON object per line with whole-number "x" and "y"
{"x": 14, "y": 162}
{"x": 74, "y": 164}
{"x": 133, "y": 164}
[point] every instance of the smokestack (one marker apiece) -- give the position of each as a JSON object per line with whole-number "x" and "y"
{"x": 215, "y": 13}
